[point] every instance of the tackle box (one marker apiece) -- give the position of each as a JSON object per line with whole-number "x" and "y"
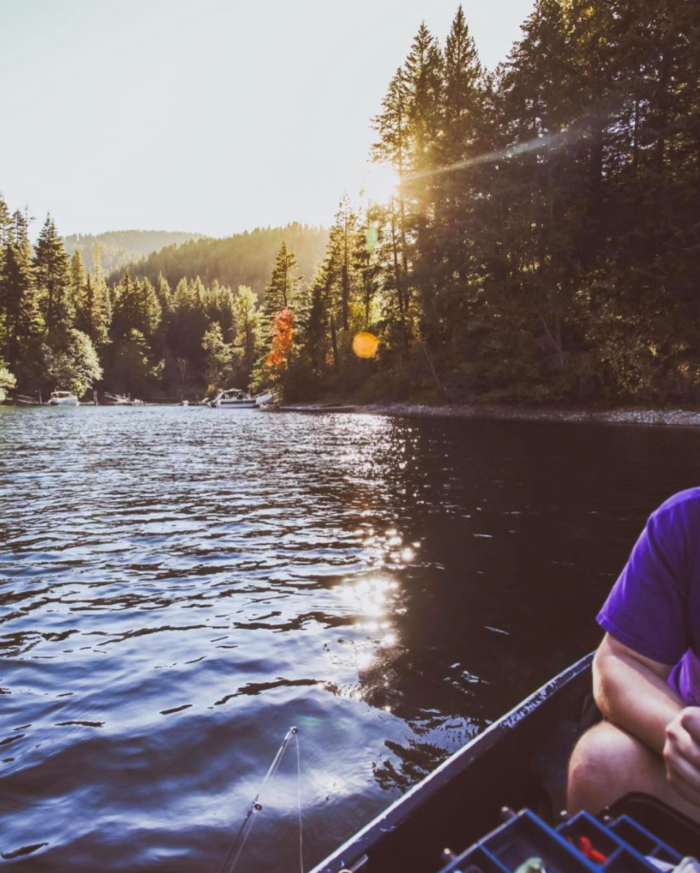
{"x": 581, "y": 844}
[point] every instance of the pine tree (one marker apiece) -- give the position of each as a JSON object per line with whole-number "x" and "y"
{"x": 283, "y": 287}
{"x": 7, "y": 380}
{"x": 423, "y": 81}
{"x": 366, "y": 265}
{"x": 247, "y": 340}
{"x": 136, "y": 307}
{"x": 393, "y": 149}
{"x": 457, "y": 184}
{"x": 217, "y": 357}
{"x": 340, "y": 263}
{"x": 164, "y": 295}
{"x": 53, "y": 281}
{"x": 102, "y": 290}
{"x": 220, "y": 308}
{"x": 540, "y": 104}
{"x": 188, "y": 323}
{"x": 5, "y": 227}
{"x": 77, "y": 278}
{"x": 21, "y": 319}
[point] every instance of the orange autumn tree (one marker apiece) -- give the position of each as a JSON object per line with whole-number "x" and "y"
{"x": 277, "y": 361}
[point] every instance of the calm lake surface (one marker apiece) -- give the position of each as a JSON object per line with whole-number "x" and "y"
{"x": 178, "y": 587}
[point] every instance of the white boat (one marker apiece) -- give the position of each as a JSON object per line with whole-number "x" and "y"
{"x": 63, "y": 398}
{"x": 233, "y": 398}
{"x": 115, "y": 399}
{"x": 264, "y": 399}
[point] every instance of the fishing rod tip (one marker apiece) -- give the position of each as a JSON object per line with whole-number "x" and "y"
{"x": 294, "y": 730}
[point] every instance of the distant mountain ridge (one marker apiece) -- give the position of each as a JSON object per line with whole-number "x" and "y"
{"x": 120, "y": 247}
{"x": 242, "y": 259}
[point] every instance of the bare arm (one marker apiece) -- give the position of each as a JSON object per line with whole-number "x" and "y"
{"x": 632, "y": 692}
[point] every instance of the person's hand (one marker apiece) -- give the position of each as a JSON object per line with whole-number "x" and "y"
{"x": 682, "y": 753}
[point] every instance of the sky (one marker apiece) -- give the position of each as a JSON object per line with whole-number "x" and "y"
{"x": 209, "y": 116}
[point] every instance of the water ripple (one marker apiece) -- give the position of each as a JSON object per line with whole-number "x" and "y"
{"x": 180, "y": 586}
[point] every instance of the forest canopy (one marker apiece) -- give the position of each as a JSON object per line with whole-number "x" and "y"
{"x": 542, "y": 243}
{"x": 120, "y": 247}
{"x": 242, "y": 259}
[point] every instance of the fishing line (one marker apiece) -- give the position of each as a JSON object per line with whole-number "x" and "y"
{"x": 301, "y": 823}
{"x": 234, "y": 853}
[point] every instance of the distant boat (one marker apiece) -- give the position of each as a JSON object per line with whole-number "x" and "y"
{"x": 233, "y": 398}
{"x": 119, "y": 400}
{"x": 264, "y": 400}
{"x": 63, "y": 398}
{"x": 115, "y": 399}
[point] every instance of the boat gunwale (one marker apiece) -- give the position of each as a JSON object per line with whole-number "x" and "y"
{"x": 352, "y": 850}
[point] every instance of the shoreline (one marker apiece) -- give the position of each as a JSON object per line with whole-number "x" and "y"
{"x": 622, "y": 415}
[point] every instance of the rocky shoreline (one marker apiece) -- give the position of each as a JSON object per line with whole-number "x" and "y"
{"x": 632, "y": 415}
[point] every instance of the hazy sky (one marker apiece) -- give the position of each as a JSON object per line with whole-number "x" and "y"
{"x": 204, "y": 115}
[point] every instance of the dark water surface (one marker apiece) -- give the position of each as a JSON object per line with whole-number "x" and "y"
{"x": 180, "y": 586}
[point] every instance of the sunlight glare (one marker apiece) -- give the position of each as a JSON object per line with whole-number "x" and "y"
{"x": 381, "y": 183}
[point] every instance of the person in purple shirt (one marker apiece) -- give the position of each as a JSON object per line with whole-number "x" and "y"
{"x": 646, "y": 672}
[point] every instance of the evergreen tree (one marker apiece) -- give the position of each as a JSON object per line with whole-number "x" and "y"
{"x": 188, "y": 324}
{"x": 20, "y": 317}
{"x": 393, "y": 149}
{"x": 78, "y": 278}
{"x": 93, "y": 304}
{"x": 458, "y": 186}
{"x": 165, "y": 296}
{"x": 283, "y": 287}
{"x": 217, "y": 357}
{"x": 53, "y": 280}
{"x": 366, "y": 266}
{"x": 340, "y": 263}
{"x": 7, "y": 380}
{"x": 136, "y": 307}
{"x": 220, "y": 308}
{"x": 132, "y": 368}
{"x": 5, "y": 223}
{"x": 247, "y": 341}
{"x": 102, "y": 291}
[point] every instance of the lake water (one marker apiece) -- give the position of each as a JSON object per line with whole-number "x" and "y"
{"x": 178, "y": 587}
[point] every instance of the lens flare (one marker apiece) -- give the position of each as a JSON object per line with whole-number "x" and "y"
{"x": 365, "y": 344}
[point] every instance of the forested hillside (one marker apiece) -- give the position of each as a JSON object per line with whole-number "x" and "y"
{"x": 542, "y": 243}
{"x": 119, "y": 247}
{"x": 242, "y": 259}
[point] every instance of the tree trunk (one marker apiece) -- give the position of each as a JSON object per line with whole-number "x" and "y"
{"x": 334, "y": 342}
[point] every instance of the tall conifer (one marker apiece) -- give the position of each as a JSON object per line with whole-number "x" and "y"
{"x": 53, "y": 280}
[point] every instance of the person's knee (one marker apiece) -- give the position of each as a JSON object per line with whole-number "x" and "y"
{"x": 606, "y": 764}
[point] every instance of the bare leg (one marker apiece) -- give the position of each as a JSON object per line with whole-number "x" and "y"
{"x": 608, "y": 763}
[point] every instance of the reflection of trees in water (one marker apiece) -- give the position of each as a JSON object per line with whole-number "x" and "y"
{"x": 435, "y": 700}
{"x": 447, "y": 523}
{"x": 415, "y": 762}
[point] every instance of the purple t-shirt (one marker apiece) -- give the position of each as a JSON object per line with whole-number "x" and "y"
{"x": 654, "y": 607}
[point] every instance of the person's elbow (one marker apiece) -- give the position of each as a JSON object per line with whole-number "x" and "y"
{"x": 616, "y": 671}
{"x": 605, "y": 688}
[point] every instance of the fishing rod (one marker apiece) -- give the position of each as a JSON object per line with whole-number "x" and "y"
{"x": 255, "y": 807}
